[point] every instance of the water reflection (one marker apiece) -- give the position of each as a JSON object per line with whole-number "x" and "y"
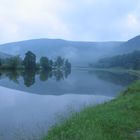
{"x": 29, "y": 116}
{"x": 67, "y": 82}
{"x": 12, "y": 75}
{"x": 117, "y": 78}
{"x": 29, "y": 76}
{"x": 45, "y": 75}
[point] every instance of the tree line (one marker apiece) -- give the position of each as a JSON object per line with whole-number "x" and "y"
{"x": 127, "y": 61}
{"x": 30, "y": 63}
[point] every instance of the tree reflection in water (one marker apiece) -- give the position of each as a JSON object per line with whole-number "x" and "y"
{"x": 13, "y": 75}
{"x": 29, "y": 76}
{"x": 45, "y": 75}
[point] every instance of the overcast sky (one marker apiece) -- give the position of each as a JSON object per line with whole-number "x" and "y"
{"x": 86, "y": 20}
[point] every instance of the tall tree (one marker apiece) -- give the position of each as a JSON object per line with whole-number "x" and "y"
{"x": 45, "y": 63}
{"x": 59, "y": 62}
{"x": 67, "y": 65}
{"x": 0, "y": 62}
{"x": 51, "y": 63}
{"x": 29, "y": 60}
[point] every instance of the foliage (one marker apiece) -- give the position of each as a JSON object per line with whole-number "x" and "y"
{"x": 14, "y": 62}
{"x": 0, "y": 62}
{"x": 59, "y": 62}
{"x": 45, "y": 63}
{"x": 11, "y": 63}
{"x": 30, "y": 60}
{"x": 127, "y": 61}
{"x": 67, "y": 64}
{"x": 29, "y": 63}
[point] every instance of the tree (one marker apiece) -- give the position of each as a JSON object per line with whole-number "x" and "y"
{"x": 51, "y": 63}
{"x": 67, "y": 65}
{"x": 14, "y": 62}
{"x": 127, "y": 61}
{"x": 136, "y": 65}
{"x": 45, "y": 63}
{"x": 59, "y": 62}
{"x": 30, "y": 60}
{"x": 0, "y": 62}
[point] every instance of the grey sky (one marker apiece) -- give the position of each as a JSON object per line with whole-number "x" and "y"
{"x": 89, "y": 20}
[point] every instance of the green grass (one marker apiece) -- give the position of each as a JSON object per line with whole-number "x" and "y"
{"x": 118, "y": 119}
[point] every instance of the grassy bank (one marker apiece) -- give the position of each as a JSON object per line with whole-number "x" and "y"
{"x": 118, "y": 119}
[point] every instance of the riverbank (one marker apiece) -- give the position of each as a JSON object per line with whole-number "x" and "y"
{"x": 118, "y": 119}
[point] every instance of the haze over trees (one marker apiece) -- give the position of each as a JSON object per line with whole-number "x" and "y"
{"x": 79, "y": 53}
{"x": 127, "y": 61}
{"x": 14, "y": 62}
{"x": 30, "y": 63}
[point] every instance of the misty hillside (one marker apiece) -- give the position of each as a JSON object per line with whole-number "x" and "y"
{"x": 79, "y": 53}
{"x": 130, "y": 45}
{"x": 4, "y": 55}
{"x": 127, "y": 61}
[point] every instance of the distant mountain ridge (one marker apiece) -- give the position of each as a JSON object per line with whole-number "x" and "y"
{"x": 131, "y": 45}
{"x": 134, "y": 41}
{"x": 78, "y": 52}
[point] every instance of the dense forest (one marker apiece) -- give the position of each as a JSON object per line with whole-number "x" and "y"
{"x": 127, "y": 61}
{"x": 30, "y": 63}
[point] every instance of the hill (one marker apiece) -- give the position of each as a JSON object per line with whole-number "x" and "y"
{"x": 127, "y": 61}
{"x": 4, "y": 55}
{"x": 130, "y": 45}
{"x": 79, "y": 53}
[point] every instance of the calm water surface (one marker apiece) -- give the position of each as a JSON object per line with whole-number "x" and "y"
{"x": 48, "y": 97}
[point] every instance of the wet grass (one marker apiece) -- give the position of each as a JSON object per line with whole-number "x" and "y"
{"x": 118, "y": 119}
